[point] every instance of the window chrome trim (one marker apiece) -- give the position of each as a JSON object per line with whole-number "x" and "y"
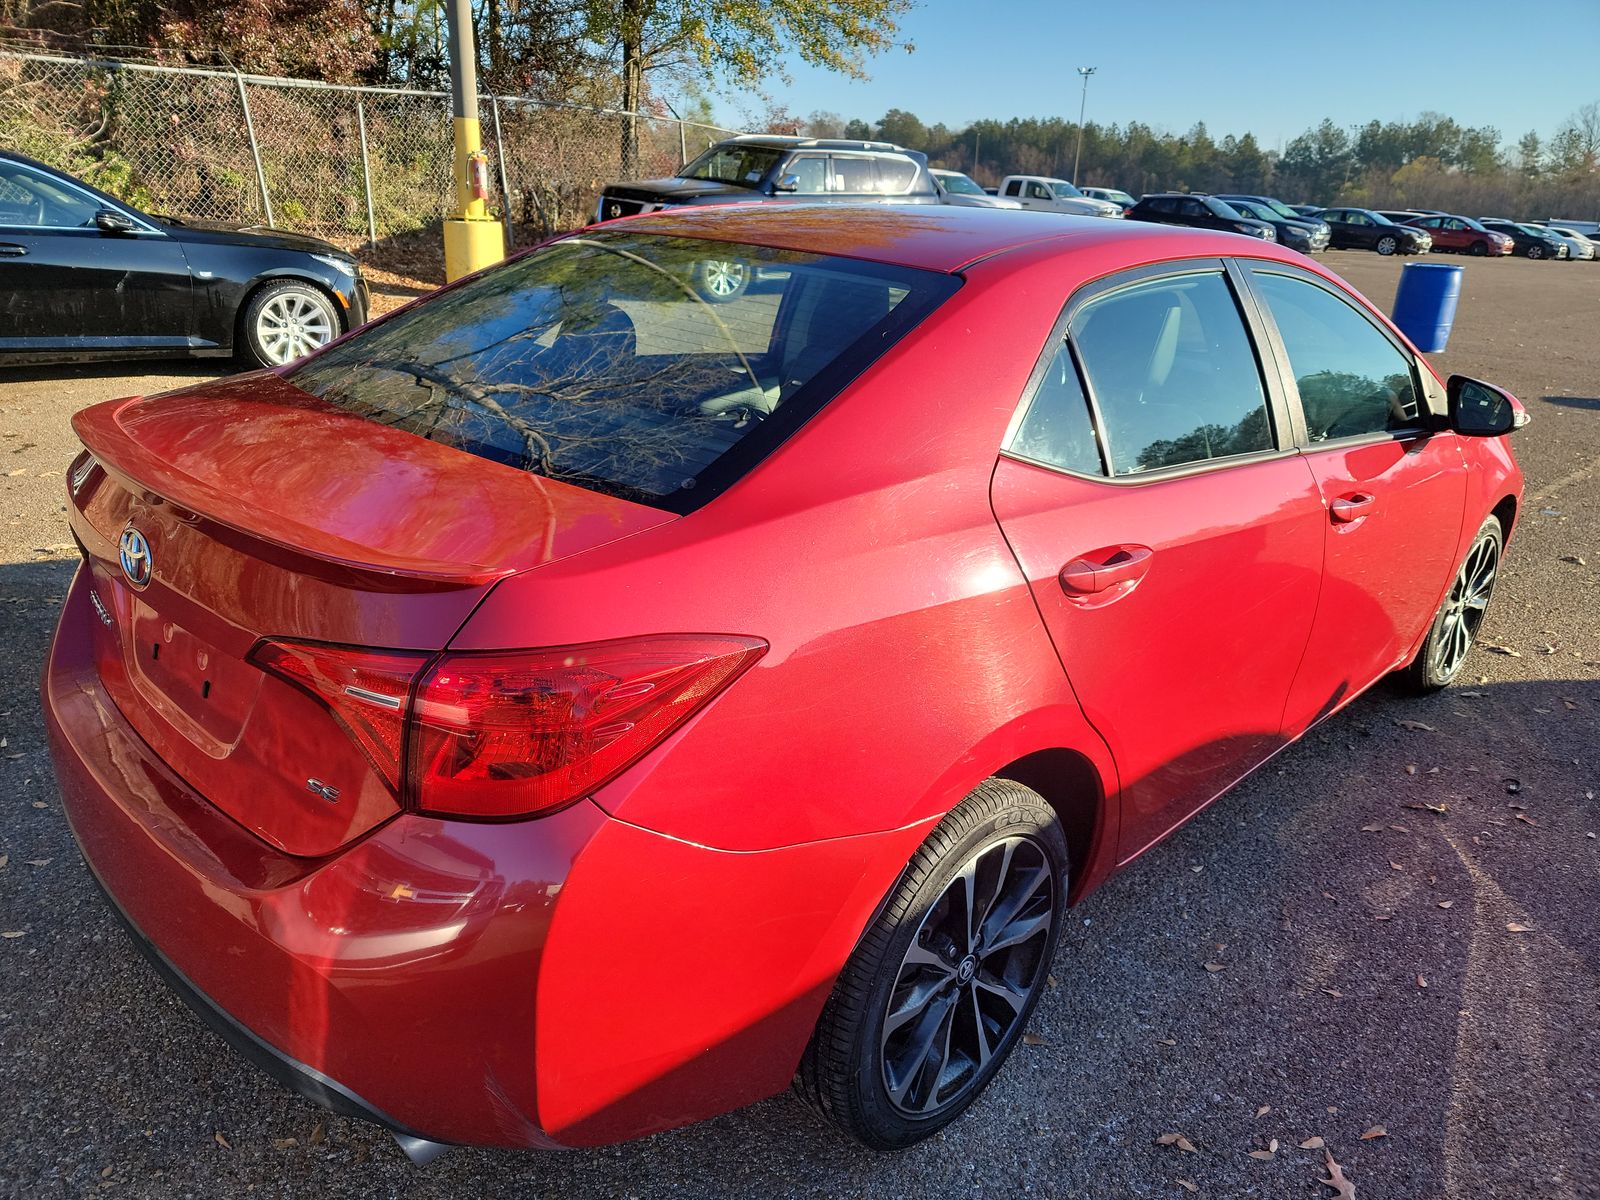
{"x": 1203, "y": 466}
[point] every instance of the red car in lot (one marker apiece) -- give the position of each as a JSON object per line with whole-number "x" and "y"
{"x": 1463, "y": 235}
{"x": 565, "y": 709}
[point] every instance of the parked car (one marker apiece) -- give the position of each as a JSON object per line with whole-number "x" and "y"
{"x": 87, "y": 276}
{"x": 1307, "y": 210}
{"x": 963, "y": 191}
{"x": 1579, "y": 248}
{"x": 1463, "y": 235}
{"x": 1308, "y": 237}
{"x": 1530, "y": 240}
{"x": 1363, "y": 229}
{"x": 1589, "y": 229}
{"x": 754, "y": 168}
{"x": 1280, "y": 210}
{"x": 488, "y": 808}
{"x": 1198, "y": 212}
{"x": 1043, "y": 193}
{"x": 1400, "y": 216}
{"x": 1110, "y": 195}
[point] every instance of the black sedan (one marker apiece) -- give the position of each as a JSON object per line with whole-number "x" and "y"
{"x": 1528, "y": 240}
{"x": 1363, "y": 229}
{"x": 87, "y": 276}
{"x": 1306, "y": 235}
{"x": 1200, "y": 212}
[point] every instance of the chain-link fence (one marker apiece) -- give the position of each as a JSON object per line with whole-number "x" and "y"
{"x": 346, "y": 163}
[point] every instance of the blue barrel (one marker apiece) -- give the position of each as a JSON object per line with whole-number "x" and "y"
{"x": 1425, "y": 303}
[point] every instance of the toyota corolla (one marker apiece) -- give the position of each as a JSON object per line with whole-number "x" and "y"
{"x": 565, "y": 709}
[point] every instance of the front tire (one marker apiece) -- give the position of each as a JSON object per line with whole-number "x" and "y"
{"x": 721, "y": 280}
{"x": 940, "y": 987}
{"x": 1455, "y": 626}
{"x": 1536, "y": 251}
{"x": 284, "y": 321}
{"x": 1387, "y": 245}
{"x": 1477, "y": 249}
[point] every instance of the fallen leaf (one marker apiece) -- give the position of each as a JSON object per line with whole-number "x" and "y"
{"x": 1526, "y": 819}
{"x": 1515, "y": 927}
{"x": 1396, "y": 865}
{"x": 1383, "y": 916}
{"x": 1513, "y": 786}
{"x": 1421, "y": 982}
{"x": 1377, "y": 1131}
{"x": 1426, "y": 807}
{"x": 1178, "y": 1140}
{"x": 284, "y": 1143}
{"x": 1312, "y": 1143}
{"x": 1263, "y": 1110}
{"x": 1214, "y": 967}
{"x": 1399, "y": 829}
{"x": 1447, "y": 904}
{"x": 1187, "y": 1185}
{"x": 4, "y": 859}
{"x": 13, "y": 933}
{"x": 1051, "y": 980}
{"x": 1033, "y": 1039}
{"x": 1506, "y": 650}
{"x": 1332, "y": 992}
{"x": 38, "y": 862}
{"x": 1197, "y": 870}
{"x": 1263, "y": 1155}
{"x": 1574, "y": 558}
{"x": 1336, "y": 1180}
{"x": 318, "y": 1132}
{"x": 221, "y": 1140}
{"x": 1411, "y": 768}
{"x": 1373, "y": 828}
{"x": 1419, "y": 726}
{"x": 1168, "y": 1041}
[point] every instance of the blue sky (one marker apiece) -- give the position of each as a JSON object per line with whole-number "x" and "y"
{"x": 1258, "y": 67}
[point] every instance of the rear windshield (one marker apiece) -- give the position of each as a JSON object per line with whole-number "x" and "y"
{"x": 658, "y": 369}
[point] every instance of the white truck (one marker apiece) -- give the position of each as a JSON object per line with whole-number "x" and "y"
{"x": 1047, "y": 194}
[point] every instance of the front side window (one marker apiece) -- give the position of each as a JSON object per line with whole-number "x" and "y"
{"x": 600, "y": 360}
{"x": 810, "y": 172}
{"x": 1352, "y": 379}
{"x": 1173, "y": 374}
{"x": 1191, "y": 208}
{"x": 28, "y": 198}
{"x": 1038, "y": 191}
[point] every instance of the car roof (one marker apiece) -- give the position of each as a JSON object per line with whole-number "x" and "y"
{"x": 786, "y": 142}
{"x": 932, "y": 237}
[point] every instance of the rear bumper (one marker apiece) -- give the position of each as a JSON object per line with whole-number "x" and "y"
{"x": 574, "y": 980}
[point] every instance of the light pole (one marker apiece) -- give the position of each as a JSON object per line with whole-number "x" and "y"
{"x": 472, "y": 238}
{"x": 1082, "y": 106}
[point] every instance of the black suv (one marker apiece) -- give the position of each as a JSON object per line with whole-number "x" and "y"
{"x": 1199, "y": 211}
{"x": 767, "y": 167}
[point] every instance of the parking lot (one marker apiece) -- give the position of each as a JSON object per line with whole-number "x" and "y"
{"x": 1402, "y": 909}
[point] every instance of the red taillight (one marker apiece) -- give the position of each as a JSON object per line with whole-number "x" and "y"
{"x": 365, "y": 690}
{"x": 506, "y": 734}
{"x": 516, "y": 732}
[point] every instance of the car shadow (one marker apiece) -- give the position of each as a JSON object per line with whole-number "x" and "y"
{"x": 113, "y": 368}
{"x": 1588, "y": 403}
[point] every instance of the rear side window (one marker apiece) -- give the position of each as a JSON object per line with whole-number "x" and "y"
{"x": 1352, "y": 379}
{"x": 896, "y": 175}
{"x": 1173, "y": 374}
{"x": 655, "y": 368}
{"x": 854, "y": 175}
{"x": 1057, "y": 429}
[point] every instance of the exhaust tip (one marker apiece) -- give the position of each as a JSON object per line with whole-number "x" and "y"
{"x": 420, "y": 1150}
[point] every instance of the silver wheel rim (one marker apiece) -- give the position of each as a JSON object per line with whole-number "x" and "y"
{"x": 723, "y": 279}
{"x": 1386, "y": 245}
{"x": 1464, "y": 608}
{"x": 290, "y": 325}
{"x": 965, "y": 981}
{"x": 1535, "y": 251}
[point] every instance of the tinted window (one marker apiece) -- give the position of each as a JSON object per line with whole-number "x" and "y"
{"x": 599, "y": 360}
{"x": 896, "y": 175}
{"x": 1038, "y": 191}
{"x": 1173, "y": 374}
{"x": 1014, "y": 188}
{"x": 742, "y": 165}
{"x": 811, "y": 170}
{"x": 1162, "y": 204}
{"x": 1353, "y": 380}
{"x": 28, "y": 198}
{"x": 854, "y": 175}
{"x": 1057, "y": 429}
{"x": 1191, "y": 208}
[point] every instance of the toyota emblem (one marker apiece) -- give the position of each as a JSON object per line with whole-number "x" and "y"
{"x": 613, "y": 210}
{"x": 134, "y": 553}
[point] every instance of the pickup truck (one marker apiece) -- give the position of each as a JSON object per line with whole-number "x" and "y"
{"x": 1047, "y": 194}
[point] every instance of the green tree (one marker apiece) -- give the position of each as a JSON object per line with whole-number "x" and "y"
{"x": 903, "y": 129}
{"x": 1530, "y": 153}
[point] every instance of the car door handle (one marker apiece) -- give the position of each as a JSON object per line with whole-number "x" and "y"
{"x": 12, "y": 250}
{"x": 1105, "y": 569}
{"x": 1352, "y": 507}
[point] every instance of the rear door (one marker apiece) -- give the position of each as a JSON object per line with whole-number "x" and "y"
{"x": 1170, "y": 534}
{"x": 1392, "y": 486}
{"x": 66, "y": 284}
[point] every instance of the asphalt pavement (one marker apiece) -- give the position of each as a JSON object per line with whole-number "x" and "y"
{"x": 1405, "y": 909}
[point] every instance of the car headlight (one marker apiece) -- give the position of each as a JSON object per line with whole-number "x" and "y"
{"x": 344, "y": 266}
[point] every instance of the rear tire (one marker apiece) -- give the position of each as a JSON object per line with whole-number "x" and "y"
{"x": 1387, "y": 244}
{"x": 286, "y": 320}
{"x": 1455, "y": 626}
{"x": 923, "y": 1015}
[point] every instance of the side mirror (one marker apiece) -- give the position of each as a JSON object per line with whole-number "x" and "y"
{"x": 112, "y": 221}
{"x": 1479, "y": 409}
{"x": 787, "y": 183}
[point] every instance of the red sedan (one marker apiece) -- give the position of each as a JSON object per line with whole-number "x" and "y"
{"x": 1463, "y": 235}
{"x": 567, "y": 708}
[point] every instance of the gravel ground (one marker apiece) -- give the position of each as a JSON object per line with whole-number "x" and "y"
{"x": 1371, "y": 978}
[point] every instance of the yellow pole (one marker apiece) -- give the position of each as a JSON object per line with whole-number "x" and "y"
{"x": 472, "y": 238}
